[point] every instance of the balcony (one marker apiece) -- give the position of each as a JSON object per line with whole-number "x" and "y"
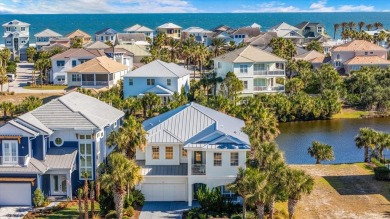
{"x": 277, "y": 72}
{"x": 13, "y": 160}
{"x": 198, "y": 169}
{"x": 277, "y": 88}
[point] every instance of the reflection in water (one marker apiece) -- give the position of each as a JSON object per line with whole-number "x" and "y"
{"x": 296, "y": 137}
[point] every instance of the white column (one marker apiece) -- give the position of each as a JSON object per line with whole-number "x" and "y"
{"x": 94, "y": 79}
{"x": 69, "y": 185}
{"x": 189, "y": 181}
{"x": 189, "y": 192}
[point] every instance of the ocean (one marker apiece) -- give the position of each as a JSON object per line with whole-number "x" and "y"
{"x": 91, "y": 23}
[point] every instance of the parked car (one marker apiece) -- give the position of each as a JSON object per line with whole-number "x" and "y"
{"x": 11, "y": 77}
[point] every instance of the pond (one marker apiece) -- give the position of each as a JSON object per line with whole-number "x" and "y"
{"x": 296, "y": 137}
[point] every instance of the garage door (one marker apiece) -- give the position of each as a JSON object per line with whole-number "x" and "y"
{"x": 14, "y": 194}
{"x": 164, "y": 192}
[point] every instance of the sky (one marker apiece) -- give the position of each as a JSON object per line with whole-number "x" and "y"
{"x": 188, "y": 6}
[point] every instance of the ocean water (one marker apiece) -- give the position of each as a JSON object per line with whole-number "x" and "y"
{"x": 90, "y": 23}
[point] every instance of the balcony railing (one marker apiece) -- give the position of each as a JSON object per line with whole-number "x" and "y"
{"x": 198, "y": 169}
{"x": 13, "y": 160}
{"x": 268, "y": 88}
{"x": 270, "y": 73}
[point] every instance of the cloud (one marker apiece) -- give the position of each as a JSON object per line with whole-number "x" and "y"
{"x": 96, "y": 6}
{"x": 319, "y": 6}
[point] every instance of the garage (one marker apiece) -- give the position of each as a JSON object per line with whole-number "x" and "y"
{"x": 15, "y": 194}
{"x": 164, "y": 192}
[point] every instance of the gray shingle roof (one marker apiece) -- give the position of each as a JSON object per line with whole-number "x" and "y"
{"x": 107, "y": 31}
{"x": 47, "y": 33}
{"x": 163, "y": 170}
{"x": 34, "y": 167}
{"x": 159, "y": 68}
{"x": 60, "y": 158}
{"x": 249, "y": 54}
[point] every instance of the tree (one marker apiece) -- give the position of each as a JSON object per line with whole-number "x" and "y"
{"x": 258, "y": 197}
{"x": 242, "y": 187}
{"x": 315, "y": 45}
{"x": 3, "y": 77}
{"x": 120, "y": 173}
{"x": 149, "y": 102}
{"x": 294, "y": 85}
{"x": 217, "y": 46}
{"x": 77, "y": 43}
{"x": 85, "y": 189}
{"x": 378, "y": 25}
{"x": 351, "y": 25}
{"x": 328, "y": 78}
{"x": 130, "y": 137}
{"x": 30, "y": 103}
{"x": 132, "y": 105}
{"x": 369, "y": 27}
{"x": 298, "y": 184}
{"x": 361, "y": 25}
{"x": 366, "y": 139}
{"x": 231, "y": 86}
{"x": 283, "y": 48}
{"x": 31, "y": 52}
{"x": 43, "y": 65}
{"x": 174, "y": 47}
{"x": 5, "y": 56}
{"x": 80, "y": 202}
{"x": 335, "y": 29}
{"x": 321, "y": 151}
{"x": 344, "y": 25}
{"x": 8, "y": 109}
{"x": 92, "y": 197}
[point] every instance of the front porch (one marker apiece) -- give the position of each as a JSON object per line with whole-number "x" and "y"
{"x": 97, "y": 80}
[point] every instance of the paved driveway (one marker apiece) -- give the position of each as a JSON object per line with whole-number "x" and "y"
{"x": 159, "y": 210}
{"x": 13, "y": 212}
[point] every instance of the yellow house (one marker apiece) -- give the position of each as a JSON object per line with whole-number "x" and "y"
{"x": 86, "y": 38}
{"x": 171, "y": 29}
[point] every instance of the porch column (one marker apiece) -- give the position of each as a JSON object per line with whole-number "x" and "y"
{"x": 189, "y": 181}
{"x": 108, "y": 80}
{"x": 94, "y": 79}
{"x": 69, "y": 185}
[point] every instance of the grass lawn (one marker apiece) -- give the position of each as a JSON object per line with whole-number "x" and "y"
{"x": 69, "y": 212}
{"x": 46, "y": 87}
{"x": 350, "y": 114}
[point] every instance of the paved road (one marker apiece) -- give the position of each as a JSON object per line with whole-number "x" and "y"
{"x": 23, "y": 72}
{"x": 160, "y": 210}
{"x": 13, "y": 212}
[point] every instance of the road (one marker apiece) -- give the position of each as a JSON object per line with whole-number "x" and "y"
{"x": 23, "y": 73}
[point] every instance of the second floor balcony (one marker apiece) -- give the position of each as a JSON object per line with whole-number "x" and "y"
{"x": 277, "y": 88}
{"x": 275, "y": 72}
{"x": 198, "y": 169}
{"x": 14, "y": 160}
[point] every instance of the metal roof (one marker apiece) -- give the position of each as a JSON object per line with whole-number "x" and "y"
{"x": 163, "y": 170}
{"x": 159, "y": 69}
{"x": 249, "y": 54}
{"x": 138, "y": 28}
{"x": 60, "y": 158}
{"x": 107, "y": 31}
{"x": 15, "y": 23}
{"x": 168, "y": 25}
{"x": 159, "y": 90}
{"x": 34, "y": 166}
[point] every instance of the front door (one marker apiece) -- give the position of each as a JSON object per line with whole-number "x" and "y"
{"x": 10, "y": 152}
{"x": 198, "y": 157}
{"x": 58, "y": 184}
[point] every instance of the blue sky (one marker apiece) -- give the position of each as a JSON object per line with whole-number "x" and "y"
{"x": 188, "y": 6}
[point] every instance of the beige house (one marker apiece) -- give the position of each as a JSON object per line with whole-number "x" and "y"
{"x": 315, "y": 58}
{"x": 171, "y": 29}
{"x": 98, "y": 72}
{"x": 138, "y": 52}
{"x": 355, "y": 54}
{"x": 79, "y": 34}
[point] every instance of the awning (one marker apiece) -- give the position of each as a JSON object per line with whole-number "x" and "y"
{"x": 14, "y": 179}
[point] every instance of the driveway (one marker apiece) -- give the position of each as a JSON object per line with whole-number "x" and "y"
{"x": 13, "y": 212}
{"x": 159, "y": 210}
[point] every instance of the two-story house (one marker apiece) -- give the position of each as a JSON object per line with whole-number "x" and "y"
{"x": 257, "y": 69}
{"x": 188, "y": 147}
{"x": 131, "y": 38}
{"x": 139, "y": 52}
{"x": 312, "y": 31}
{"x": 355, "y": 54}
{"x": 161, "y": 78}
{"x": 44, "y": 37}
{"x": 200, "y": 35}
{"x": 16, "y": 38}
{"x": 261, "y": 41}
{"x": 243, "y": 33}
{"x": 288, "y": 31}
{"x": 62, "y": 62}
{"x": 97, "y": 72}
{"x": 171, "y": 30}
{"x": 120, "y": 55}
{"x": 79, "y": 34}
{"x": 51, "y": 147}
{"x": 106, "y": 35}
{"x": 140, "y": 29}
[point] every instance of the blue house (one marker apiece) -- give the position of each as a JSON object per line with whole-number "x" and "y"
{"x": 52, "y": 146}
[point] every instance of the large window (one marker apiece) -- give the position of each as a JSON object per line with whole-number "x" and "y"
{"x": 131, "y": 82}
{"x": 23, "y": 29}
{"x": 155, "y": 152}
{"x": 150, "y": 81}
{"x": 245, "y": 84}
{"x": 217, "y": 159}
{"x": 219, "y": 65}
{"x": 10, "y": 152}
{"x": 168, "y": 153}
{"x": 85, "y": 156}
{"x": 234, "y": 159}
{"x": 258, "y": 67}
{"x": 243, "y": 68}
{"x": 183, "y": 152}
{"x": 338, "y": 64}
{"x": 60, "y": 63}
{"x": 76, "y": 77}
{"x": 260, "y": 82}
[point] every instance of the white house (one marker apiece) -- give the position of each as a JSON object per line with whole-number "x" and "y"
{"x": 288, "y": 31}
{"x": 161, "y": 78}
{"x": 140, "y": 29}
{"x": 106, "y": 35}
{"x": 64, "y": 61}
{"x": 44, "y": 37}
{"x": 16, "y": 38}
{"x": 97, "y": 72}
{"x": 188, "y": 147}
{"x": 256, "y": 68}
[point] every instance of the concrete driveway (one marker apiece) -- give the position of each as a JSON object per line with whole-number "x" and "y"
{"x": 13, "y": 212}
{"x": 159, "y": 210}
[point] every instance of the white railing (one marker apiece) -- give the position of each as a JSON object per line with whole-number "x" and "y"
{"x": 268, "y": 88}
{"x": 88, "y": 83}
{"x": 198, "y": 169}
{"x": 269, "y": 72}
{"x": 13, "y": 160}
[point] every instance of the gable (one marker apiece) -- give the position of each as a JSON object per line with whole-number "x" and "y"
{"x": 11, "y": 130}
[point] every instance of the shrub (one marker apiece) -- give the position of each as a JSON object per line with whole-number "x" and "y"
{"x": 129, "y": 211}
{"x": 38, "y": 198}
{"x": 111, "y": 215}
{"x": 106, "y": 202}
{"x": 135, "y": 198}
{"x": 382, "y": 173}
{"x": 377, "y": 162}
{"x": 211, "y": 199}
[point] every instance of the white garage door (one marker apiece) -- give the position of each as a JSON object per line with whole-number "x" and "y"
{"x": 14, "y": 194}
{"x": 164, "y": 192}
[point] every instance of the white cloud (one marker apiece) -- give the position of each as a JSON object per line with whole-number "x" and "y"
{"x": 96, "y": 6}
{"x": 319, "y": 6}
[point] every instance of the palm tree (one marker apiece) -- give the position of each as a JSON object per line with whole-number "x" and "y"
{"x": 384, "y": 142}
{"x": 369, "y": 27}
{"x": 149, "y": 102}
{"x": 30, "y": 103}
{"x": 85, "y": 175}
{"x": 378, "y": 25}
{"x": 366, "y": 139}
{"x": 5, "y": 56}
{"x": 257, "y": 181}
{"x": 31, "y": 52}
{"x": 174, "y": 46}
{"x": 298, "y": 184}
{"x": 361, "y": 25}
{"x": 351, "y": 25}
{"x": 241, "y": 187}
{"x": 131, "y": 105}
{"x": 130, "y": 137}
{"x": 121, "y": 173}
{"x": 217, "y": 46}
{"x": 344, "y": 25}
{"x": 8, "y": 109}
{"x": 321, "y": 151}
{"x": 3, "y": 76}
{"x": 202, "y": 53}
{"x": 187, "y": 48}
{"x": 335, "y": 29}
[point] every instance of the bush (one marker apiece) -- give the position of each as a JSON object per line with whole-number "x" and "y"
{"x": 106, "y": 202}
{"x": 377, "y": 162}
{"x": 382, "y": 173}
{"x": 135, "y": 198}
{"x": 129, "y": 211}
{"x": 38, "y": 198}
{"x": 211, "y": 199}
{"x": 111, "y": 215}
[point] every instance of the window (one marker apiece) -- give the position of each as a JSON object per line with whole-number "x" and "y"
{"x": 85, "y": 156}
{"x": 115, "y": 124}
{"x": 245, "y": 84}
{"x": 10, "y": 152}
{"x": 219, "y": 65}
{"x": 150, "y": 81}
{"x": 234, "y": 159}
{"x": 338, "y": 64}
{"x": 101, "y": 38}
{"x": 371, "y": 53}
{"x": 243, "y": 69}
{"x": 60, "y": 63}
{"x": 61, "y": 78}
{"x": 169, "y": 82}
{"x": 74, "y": 63}
{"x": 292, "y": 34}
{"x": 319, "y": 29}
{"x": 23, "y": 29}
{"x": 23, "y": 41}
{"x": 76, "y": 77}
{"x": 131, "y": 82}
{"x": 168, "y": 153}
{"x": 338, "y": 56}
{"x": 217, "y": 159}
{"x": 355, "y": 68}
{"x": 8, "y": 28}
{"x": 58, "y": 141}
{"x": 112, "y": 37}
{"x": 258, "y": 67}
{"x": 365, "y": 53}
{"x": 155, "y": 152}
{"x": 183, "y": 152}
{"x": 8, "y": 42}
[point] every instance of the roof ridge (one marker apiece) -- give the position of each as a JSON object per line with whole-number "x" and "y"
{"x": 63, "y": 103}
{"x": 163, "y": 64}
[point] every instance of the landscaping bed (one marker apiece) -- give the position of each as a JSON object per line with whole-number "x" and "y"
{"x": 46, "y": 87}
{"x": 63, "y": 210}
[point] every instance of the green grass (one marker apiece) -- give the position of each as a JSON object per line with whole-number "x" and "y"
{"x": 46, "y": 87}
{"x": 350, "y": 114}
{"x": 70, "y": 212}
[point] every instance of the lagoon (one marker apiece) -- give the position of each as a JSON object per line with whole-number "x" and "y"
{"x": 296, "y": 137}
